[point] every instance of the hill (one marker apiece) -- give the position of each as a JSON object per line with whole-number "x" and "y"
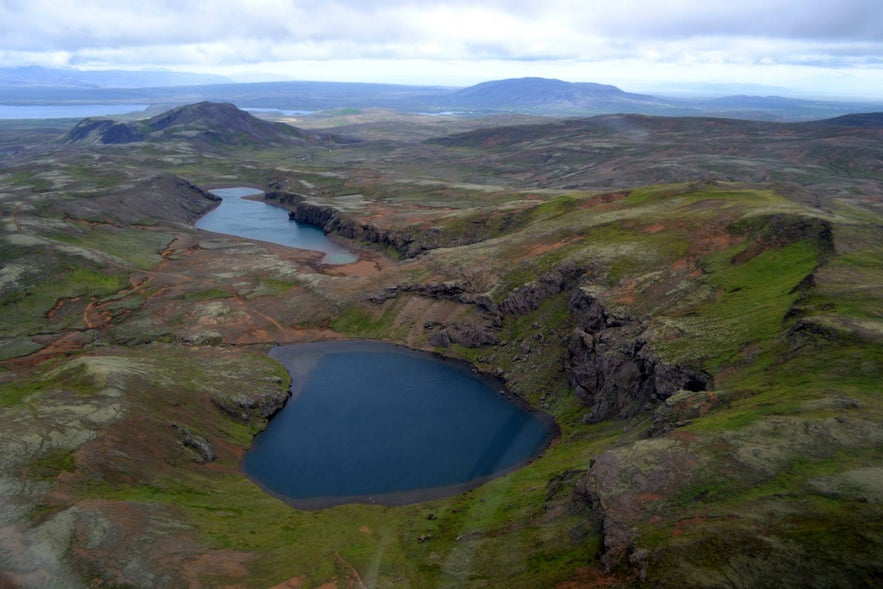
{"x": 870, "y": 120}
{"x": 206, "y": 123}
{"x": 617, "y": 151}
{"x": 545, "y": 95}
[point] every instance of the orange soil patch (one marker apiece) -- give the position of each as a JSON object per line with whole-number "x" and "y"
{"x": 648, "y": 497}
{"x": 361, "y": 269}
{"x": 589, "y": 578}
{"x": 542, "y": 248}
{"x": 59, "y": 304}
{"x": 681, "y": 264}
{"x": 603, "y": 199}
{"x": 220, "y": 563}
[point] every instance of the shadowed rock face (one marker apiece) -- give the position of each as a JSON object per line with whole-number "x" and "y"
{"x": 611, "y": 368}
{"x": 104, "y": 132}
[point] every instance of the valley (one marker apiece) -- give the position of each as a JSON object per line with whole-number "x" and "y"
{"x": 696, "y": 301}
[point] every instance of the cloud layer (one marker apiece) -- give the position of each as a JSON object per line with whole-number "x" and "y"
{"x": 235, "y": 34}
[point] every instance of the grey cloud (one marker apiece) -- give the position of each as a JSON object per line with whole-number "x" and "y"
{"x": 835, "y": 34}
{"x": 784, "y": 19}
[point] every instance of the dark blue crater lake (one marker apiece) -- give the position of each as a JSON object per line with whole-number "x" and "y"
{"x": 370, "y": 422}
{"x": 257, "y": 220}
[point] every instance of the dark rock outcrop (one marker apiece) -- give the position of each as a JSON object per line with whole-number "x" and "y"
{"x": 682, "y": 408}
{"x": 253, "y": 408}
{"x": 611, "y": 368}
{"x": 528, "y": 297}
{"x": 465, "y": 334}
{"x": 781, "y": 229}
{"x": 203, "y": 450}
{"x": 104, "y": 132}
{"x": 408, "y": 242}
{"x": 332, "y": 220}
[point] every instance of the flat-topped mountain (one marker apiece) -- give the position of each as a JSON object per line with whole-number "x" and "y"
{"x": 543, "y": 94}
{"x": 208, "y": 123}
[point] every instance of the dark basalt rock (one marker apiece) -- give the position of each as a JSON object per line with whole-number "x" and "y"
{"x": 204, "y": 452}
{"x": 466, "y": 335}
{"x": 528, "y": 297}
{"x": 104, "y": 131}
{"x": 409, "y": 243}
{"x": 252, "y": 408}
{"x": 332, "y": 220}
{"x": 612, "y": 370}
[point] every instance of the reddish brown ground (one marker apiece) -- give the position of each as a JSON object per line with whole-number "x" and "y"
{"x": 589, "y": 578}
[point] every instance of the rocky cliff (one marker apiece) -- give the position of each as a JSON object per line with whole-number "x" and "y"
{"x": 611, "y": 367}
{"x": 408, "y": 243}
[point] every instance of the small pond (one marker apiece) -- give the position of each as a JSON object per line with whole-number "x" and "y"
{"x": 377, "y": 423}
{"x": 258, "y": 220}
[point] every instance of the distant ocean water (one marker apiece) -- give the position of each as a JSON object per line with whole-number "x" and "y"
{"x": 67, "y": 111}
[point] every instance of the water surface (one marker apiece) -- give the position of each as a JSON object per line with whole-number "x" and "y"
{"x": 258, "y": 220}
{"x": 67, "y": 111}
{"x": 372, "y": 422}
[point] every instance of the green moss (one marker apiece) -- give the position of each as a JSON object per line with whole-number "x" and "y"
{"x": 558, "y": 206}
{"x": 12, "y": 393}
{"x": 139, "y": 247}
{"x": 272, "y": 287}
{"x": 31, "y": 179}
{"x": 749, "y": 308}
{"x": 49, "y": 465}
{"x": 353, "y": 320}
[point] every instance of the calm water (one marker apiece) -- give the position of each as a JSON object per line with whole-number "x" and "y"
{"x": 372, "y": 422}
{"x": 257, "y": 220}
{"x": 66, "y": 111}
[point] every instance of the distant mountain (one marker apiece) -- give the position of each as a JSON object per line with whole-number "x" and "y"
{"x": 870, "y": 120}
{"x": 621, "y": 150}
{"x": 545, "y": 95}
{"x": 74, "y": 78}
{"x": 206, "y": 123}
{"x": 538, "y": 96}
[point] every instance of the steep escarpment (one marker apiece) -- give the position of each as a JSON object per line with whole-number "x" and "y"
{"x": 612, "y": 368}
{"x": 407, "y": 242}
{"x": 607, "y": 359}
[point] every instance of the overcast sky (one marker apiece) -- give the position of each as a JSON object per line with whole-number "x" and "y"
{"x": 833, "y": 46}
